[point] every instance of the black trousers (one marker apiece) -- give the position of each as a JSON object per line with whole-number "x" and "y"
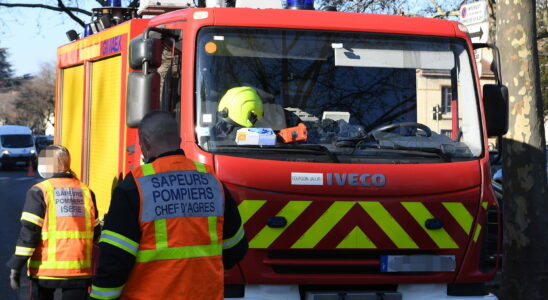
{"x": 38, "y": 292}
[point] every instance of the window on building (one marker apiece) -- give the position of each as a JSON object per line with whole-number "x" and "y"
{"x": 446, "y": 99}
{"x": 447, "y": 132}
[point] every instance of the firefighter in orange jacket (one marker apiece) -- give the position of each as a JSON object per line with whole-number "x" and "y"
{"x": 171, "y": 227}
{"x": 59, "y": 223}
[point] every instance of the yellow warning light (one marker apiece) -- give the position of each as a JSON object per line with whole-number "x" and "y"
{"x": 210, "y": 47}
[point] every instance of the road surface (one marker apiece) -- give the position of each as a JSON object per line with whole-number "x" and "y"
{"x": 13, "y": 187}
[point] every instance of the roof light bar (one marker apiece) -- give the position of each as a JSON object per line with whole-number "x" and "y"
{"x": 300, "y": 4}
{"x": 114, "y": 3}
{"x": 87, "y": 30}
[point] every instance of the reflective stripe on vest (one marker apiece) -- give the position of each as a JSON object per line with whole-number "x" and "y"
{"x": 106, "y": 293}
{"x": 32, "y": 218}
{"x": 162, "y": 251}
{"x": 120, "y": 241}
{"x": 231, "y": 242}
{"x": 50, "y": 235}
{"x": 23, "y": 251}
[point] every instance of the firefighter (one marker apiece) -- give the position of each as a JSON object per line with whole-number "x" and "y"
{"x": 59, "y": 225}
{"x": 171, "y": 226}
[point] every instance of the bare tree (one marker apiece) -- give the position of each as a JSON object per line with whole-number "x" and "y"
{"x": 525, "y": 264}
{"x": 430, "y": 8}
{"x": 70, "y": 7}
{"x": 5, "y": 68}
{"x": 383, "y": 6}
{"x": 6, "y": 107}
{"x": 34, "y": 103}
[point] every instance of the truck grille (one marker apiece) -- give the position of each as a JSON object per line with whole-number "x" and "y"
{"x": 328, "y": 261}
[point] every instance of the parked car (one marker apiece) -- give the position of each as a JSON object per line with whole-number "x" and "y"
{"x": 42, "y": 141}
{"x": 16, "y": 146}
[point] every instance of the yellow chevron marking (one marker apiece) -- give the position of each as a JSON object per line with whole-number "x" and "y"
{"x": 484, "y": 205}
{"x": 420, "y": 213}
{"x": 389, "y": 225}
{"x": 268, "y": 235}
{"x": 460, "y": 214}
{"x": 248, "y": 208}
{"x": 356, "y": 239}
{"x": 477, "y": 232}
{"x": 324, "y": 224}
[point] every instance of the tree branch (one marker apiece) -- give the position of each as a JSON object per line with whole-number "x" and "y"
{"x": 493, "y": 8}
{"x": 542, "y": 35}
{"x": 70, "y": 14}
{"x": 134, "y": 3}
{"x": 439, "y": 10}
{"x": 445, "y": 14}
{"x": 55, "y": 8}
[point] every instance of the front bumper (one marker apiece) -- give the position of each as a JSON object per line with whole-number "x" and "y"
{"x": 19, "y": 160}
{"x": 403, "y": 292}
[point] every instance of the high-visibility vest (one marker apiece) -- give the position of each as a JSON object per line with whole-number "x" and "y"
{"x": 181, "y": 220}
{"x": 66, "y": 246}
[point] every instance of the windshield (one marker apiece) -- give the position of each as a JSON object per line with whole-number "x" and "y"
{"x": 16, "y": 141}
{"x": 335, "y": 96}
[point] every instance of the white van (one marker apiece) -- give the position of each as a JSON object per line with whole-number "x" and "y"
{"x": 16, "y": 146}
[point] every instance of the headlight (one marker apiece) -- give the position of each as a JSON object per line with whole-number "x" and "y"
{"x": 5, "y": 152}
{"x": 32, "y": 151}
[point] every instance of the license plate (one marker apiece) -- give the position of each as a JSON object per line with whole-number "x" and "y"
{"x": 418, "y": 263}
{"x": 21, "y": 163}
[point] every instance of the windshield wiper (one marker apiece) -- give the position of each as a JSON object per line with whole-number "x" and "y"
{"x": 310, "y": 148}
{"x": 409, "y": 150}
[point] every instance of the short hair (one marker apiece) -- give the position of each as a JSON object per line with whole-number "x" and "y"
{"x": 160, "y": 127}
{"x": 57, "y": 155}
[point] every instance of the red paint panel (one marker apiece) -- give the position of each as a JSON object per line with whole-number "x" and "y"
{"x": 131, "y": 145}
{"x": 69, "y": 58}
{"x": 403, "y": 179}
{"x": 322, "y": 20}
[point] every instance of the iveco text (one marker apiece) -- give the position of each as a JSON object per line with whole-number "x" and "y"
{"x": 355, "y": 179}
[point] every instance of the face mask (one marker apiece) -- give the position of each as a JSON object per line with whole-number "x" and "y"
{"x": 43, "y": 171}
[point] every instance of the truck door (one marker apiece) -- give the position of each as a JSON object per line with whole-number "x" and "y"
{"x": 104, "y": 129}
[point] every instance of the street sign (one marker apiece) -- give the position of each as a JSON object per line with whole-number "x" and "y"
{"x": 473, "y": 13}
{"x": 475, "y": 16}
{"x": 479, "y": 32}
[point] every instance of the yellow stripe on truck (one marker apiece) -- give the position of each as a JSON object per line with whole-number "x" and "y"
{"x": 477, "y": 232}
{"x": 420, "y": 213}
{"x": 268, "y": 235}
{"x": 324, "y": 224}
{"x": 460, "y": 214}
{"x": 248, "y": 208}
{"x": 356, "y": 239}
{"x": 389, "y": 225}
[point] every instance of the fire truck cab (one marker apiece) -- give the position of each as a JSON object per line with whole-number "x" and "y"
{"x": 348, "y": 186}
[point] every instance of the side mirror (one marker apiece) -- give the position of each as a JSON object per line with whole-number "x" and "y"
{"x": 143, "y": 50}
{"x": 495, "y": 103}
{"x": 143, "y": 90}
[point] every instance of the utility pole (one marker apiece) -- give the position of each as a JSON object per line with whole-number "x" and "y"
{"x": 525, "y": 209}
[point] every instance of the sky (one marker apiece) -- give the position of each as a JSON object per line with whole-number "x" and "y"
{"x": 32, "y": 35}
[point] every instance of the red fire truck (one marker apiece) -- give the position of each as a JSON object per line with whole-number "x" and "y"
{"x": 368, "y": 195}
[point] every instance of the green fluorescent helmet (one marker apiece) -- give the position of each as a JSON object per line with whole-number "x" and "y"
{"x": 241, "y": 105}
